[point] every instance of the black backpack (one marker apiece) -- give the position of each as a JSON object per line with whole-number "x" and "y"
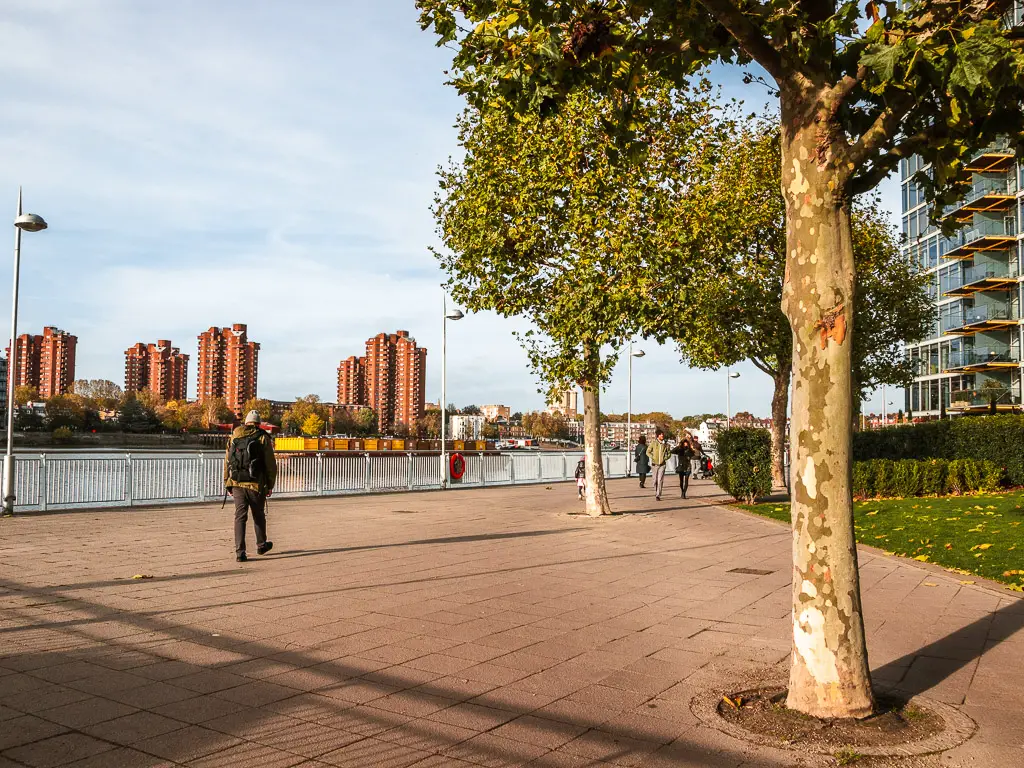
{"x": 245, "y": 459}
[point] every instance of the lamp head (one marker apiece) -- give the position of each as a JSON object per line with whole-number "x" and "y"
{"x": 734, "y": 375}
{"x": 639, "y": 353}
{"x": 454, "y": 314}
{"x": 30, "y": 222}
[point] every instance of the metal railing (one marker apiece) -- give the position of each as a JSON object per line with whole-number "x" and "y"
{"x": 981, "y": 229}
{"x": 981, "y": 356}
{"x": 59, "y": 480}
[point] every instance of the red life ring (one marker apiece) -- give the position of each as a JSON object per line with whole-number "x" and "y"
{"x": 457, "y": 466}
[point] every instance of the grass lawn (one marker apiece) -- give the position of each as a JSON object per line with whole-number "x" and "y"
{"x": 981, "y": 534}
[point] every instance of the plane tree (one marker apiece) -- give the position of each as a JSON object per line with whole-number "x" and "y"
{"x": 736, "y": 314}
{"x": 545, "y": 218}
{"x": 859, "y": 88}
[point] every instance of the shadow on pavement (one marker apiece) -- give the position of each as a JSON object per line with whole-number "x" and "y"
{"x": 440, "y": 540}
{"x": 925, "y": 668}
{"x": 169, "y": 692}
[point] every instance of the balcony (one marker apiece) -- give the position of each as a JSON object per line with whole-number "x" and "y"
{"x": 974, "y": 319}
{"x": 998, "y": 157}
{"x": 985, "y": 195}
{"x": 978, "y": 359}
{"x": 981, "y": 400}
{"x": 982, "y": 277}
{"x": 985, "y": 235}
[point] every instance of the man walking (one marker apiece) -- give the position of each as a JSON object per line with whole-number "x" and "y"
{"x": 250, "y": 471}
{"x": 658, "y": 453}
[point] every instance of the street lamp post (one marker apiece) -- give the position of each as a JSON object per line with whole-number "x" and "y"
{"x": 445, "y": 317}
{"x": 728, "y": 404}
{"x": 29, "y": 222}
{"x": 629, "y": 410}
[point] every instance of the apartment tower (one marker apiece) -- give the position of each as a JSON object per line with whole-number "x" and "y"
{"x": 352, "y": 381}
{"x": 228, "y": 364}
{"x": 159, "y": 368}
{"x": 390, "y": 379}
{"x": 971, "y": 362}
{"x": 46, "y": 362}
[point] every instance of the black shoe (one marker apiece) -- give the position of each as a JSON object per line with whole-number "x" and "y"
{"x": 241, "y": 558}
{"x": 266, "y": 547}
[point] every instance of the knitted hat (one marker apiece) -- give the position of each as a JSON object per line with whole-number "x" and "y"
{"x": 252, "y": 417}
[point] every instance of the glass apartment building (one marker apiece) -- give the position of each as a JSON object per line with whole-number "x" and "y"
{"x": 973, "y": 356}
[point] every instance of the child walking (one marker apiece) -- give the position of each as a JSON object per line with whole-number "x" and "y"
{"x": 581, "y": 478}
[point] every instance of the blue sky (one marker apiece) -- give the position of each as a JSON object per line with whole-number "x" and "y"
{"x": 214, "y": 163}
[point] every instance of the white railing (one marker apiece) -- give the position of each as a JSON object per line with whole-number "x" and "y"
{"x": 67, "y": 480}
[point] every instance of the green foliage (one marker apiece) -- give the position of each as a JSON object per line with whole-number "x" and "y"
{"x": 294, "y": 419}
{"x": 933, "y": 477}
{"x": 744, "y": 463}
{"x": 135, "y": 416}
{"x": 906, "y": 478}
{"x": 998, "y": 439}
{"x": 884, "y": 478}
{"x": 734, "y": 313}
{"x": 864, "y": 479}
{"x": 62, "y": 435}
{"x": 64, "y": 411}
{"x": 551, "y": 208}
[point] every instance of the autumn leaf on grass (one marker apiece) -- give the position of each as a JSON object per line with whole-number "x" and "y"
{"x": 869, "y": 514}
{"x": 948, "y": 545}
{"x": 980, "y": 546}
{"x": 922, "y": 558}
{"x": 1013, "y": 573}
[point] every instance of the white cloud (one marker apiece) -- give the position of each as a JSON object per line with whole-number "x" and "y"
{"x": 211, "y": 163}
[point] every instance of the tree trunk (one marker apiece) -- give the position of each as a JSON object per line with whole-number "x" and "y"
{"x": 596, "y": 494}
{"x": 780, "y": 406}
{"x": 829, "y": 675}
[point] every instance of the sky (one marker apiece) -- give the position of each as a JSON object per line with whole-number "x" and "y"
{"x": 202, "y": 164}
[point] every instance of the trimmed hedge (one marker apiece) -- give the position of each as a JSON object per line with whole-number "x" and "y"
{"x": 928, "y": 477}
{"x": 998, "y": 439}
{"x": 744, "y": 468}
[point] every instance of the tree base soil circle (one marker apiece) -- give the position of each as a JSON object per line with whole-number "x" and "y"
{"x": 901, "y": 727}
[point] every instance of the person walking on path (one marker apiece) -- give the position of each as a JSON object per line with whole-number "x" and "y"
{"x": 250, "y": 471}
{"x": 643, "y": 464}
{"x": 685, "y": 453}
{"x": 581, "y": 477}
{"x": 658, "y": 453}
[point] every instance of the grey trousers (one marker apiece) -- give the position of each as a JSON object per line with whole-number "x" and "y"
{"x": 658, "y": 473}
{"x": 246, "y": 500}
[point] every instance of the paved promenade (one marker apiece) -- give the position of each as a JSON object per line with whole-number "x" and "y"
{"x": 480, "y": 627}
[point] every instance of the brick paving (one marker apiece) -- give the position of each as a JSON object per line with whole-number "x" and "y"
{"x": 478, "y": 627}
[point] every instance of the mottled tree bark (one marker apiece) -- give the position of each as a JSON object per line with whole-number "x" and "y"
{"x": 829, "y": 675}
{"x": 780, "y": 407}
{"x": 596, "y": 494}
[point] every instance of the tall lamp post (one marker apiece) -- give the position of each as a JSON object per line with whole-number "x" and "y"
{"x": 446, "y": 315}
{"x": 728, "y": 402}
{"x": 629, "y": 410}
{"x": 29, "y": 222}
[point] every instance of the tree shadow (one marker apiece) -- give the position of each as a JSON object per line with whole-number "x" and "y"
{"x": 927, "y": 667}
{"x": 174, "y": 693}
{"x": 440, "y": 540}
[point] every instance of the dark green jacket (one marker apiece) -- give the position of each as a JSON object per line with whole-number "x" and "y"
{"x": 269, "y": 462}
